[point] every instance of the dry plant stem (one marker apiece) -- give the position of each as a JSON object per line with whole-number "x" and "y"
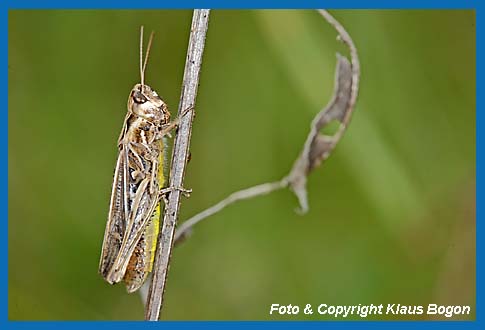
{"x": 317, "y": 147}
{"x": 184, "y": 229}
{"x": 200, "y": 21}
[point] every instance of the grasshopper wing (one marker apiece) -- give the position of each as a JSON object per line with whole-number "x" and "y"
{"x": 116, "y": 225}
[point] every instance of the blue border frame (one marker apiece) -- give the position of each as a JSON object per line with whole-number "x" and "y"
{"x": 235, "y": 4}
{"x": 346, "y": 4}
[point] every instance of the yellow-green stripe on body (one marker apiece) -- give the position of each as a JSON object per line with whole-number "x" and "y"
{"x": 141, "y": 262}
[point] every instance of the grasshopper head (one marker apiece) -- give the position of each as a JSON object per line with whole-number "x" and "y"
{"x": 146, "y": 103}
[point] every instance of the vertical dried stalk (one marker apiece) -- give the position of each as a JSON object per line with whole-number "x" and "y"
{"x": 200, "y": 21}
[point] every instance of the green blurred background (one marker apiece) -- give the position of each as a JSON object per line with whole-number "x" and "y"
{"x": 392, "y": 211}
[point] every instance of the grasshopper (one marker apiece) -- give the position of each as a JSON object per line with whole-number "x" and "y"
{"x": 131, "y": 232}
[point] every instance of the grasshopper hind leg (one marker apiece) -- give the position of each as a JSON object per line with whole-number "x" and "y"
{"x": 141, "y": 261}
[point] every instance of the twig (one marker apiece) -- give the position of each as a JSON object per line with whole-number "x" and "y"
{"x": 263, "y": 189}
{"x": 200, "y": 21}
{"x": 317, "y": 147}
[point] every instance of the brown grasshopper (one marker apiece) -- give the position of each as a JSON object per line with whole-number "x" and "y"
{"x": 133, "y": 223}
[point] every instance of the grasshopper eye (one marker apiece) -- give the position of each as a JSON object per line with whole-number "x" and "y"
{"x": 139, "y": 97}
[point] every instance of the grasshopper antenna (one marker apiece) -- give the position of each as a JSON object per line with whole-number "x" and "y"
{"x": 143, "y": 64}
{"x": 142, "y": 73}
{"x": 148, "y": 52}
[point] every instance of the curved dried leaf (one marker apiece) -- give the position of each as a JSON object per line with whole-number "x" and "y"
{"x": 318, "y": 147}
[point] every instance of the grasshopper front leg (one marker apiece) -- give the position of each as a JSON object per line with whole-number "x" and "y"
{"x": 167, "y": 128}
